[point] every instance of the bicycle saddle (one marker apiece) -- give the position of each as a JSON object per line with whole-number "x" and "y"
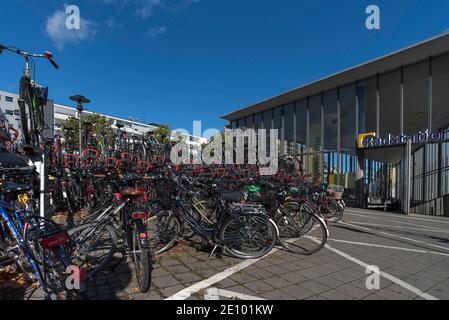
{"x": 132, "y": 193}
{"x": 230, "y": 196}
{"x": 12, "y": 188}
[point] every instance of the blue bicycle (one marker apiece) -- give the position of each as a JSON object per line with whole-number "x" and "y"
{"x": 38, "y": 247}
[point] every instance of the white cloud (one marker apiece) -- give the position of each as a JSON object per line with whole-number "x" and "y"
{"x": 156, "y": 32}
{"x": 56, "y": 30}
{"x": 145, "y": 8}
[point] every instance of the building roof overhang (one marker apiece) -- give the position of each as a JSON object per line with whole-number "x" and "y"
{"x": 429, "y": 48}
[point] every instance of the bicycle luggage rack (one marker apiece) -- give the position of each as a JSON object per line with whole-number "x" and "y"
{"x": 250, "y": 208}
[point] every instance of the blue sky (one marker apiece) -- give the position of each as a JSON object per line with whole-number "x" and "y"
{"x": 175, "y": 61}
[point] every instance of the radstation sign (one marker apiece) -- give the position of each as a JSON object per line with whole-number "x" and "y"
{"x": 370, "y": 140}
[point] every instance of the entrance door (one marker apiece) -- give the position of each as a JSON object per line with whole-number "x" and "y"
{"x": 383, "y": 169}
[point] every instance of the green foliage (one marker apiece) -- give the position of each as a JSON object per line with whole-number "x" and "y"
{"x": 102, "y": 131}
{"x": 161, "y": 134}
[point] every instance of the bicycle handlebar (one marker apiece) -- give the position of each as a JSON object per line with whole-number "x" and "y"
{"x": 47, "y": 54}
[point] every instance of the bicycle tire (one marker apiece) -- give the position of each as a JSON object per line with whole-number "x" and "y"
{"x": 163, "y": 231}
{"x": 143, "y": 266}
{"x": 250, "y": 254}
{"x": 112, "y": 248}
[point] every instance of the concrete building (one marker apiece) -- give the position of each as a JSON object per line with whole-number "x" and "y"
{"x": 378, "y": 129}
{"x": 10, "y": 109}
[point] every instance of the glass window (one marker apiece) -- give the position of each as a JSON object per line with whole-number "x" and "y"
{"x": 390, "y": 103}
{"x": 330, "y": 120}
{"x": 267, "y": 120}
{"x": 9, "y": 99}
{"x": 17, "y": 112}
{"x": 277, "y": 121}
{"x": 315, "y": 142}
{"x": 9, "y": 112}
{"x": 367, "y": 98}
{"x": 301, "y": 122}
{"x": 258, "y": 123}
{"x": 440, "y": 106}
{"x": 233, "y": 125}
{"x": 416, "y": 98}
{"x": 289, "y": 134}
{"x": 241, "y": 123}
{"x": 249, "y": 122}
{"x": 315, "y": 161}
{"x": 347, "y": 117}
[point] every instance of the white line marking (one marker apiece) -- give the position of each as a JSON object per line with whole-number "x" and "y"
{"x": 388, "y": 276}
{"x": 391, "y": 214}
{"x": 395, "y": 221}
{"x": 395, "y": 236}
{"x": 397, "y": 227}
{"x": 390, "y": 247}
{"x": 187, "y": 292}
{"x": 215, "y": 294}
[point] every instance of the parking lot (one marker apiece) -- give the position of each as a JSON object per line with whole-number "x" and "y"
{"x": 411, "y": 253}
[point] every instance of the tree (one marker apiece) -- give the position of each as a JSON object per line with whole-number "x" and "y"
{"x": 162, "y": 134}
{"x": 101, "y": 131}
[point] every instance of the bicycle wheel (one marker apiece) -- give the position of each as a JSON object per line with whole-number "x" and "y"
{"x": 95, "y": 246}
{"x": 249, "y": 236}
{"x": 331, "y": 210}
{"x": 305, "y": 233}
{"x": 142, "y": 262}
{"x": 163, "y": 230}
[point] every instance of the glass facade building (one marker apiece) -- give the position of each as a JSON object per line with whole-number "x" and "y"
{"x": 402, "y": 93}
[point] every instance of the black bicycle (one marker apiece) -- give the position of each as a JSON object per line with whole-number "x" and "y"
{"x": 33, "y": 98}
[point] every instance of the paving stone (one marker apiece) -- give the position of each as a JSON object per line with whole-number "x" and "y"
{"x": 226, "y": 283}
{"x": 169, "y": 262}
{"x": 260, "y": 273}
{"x": 187, "y": 277}
{"x": 165, "y": 281}
{"x": 276, "y": 269}
{"x": 243, "y": 277}
{"x": 329, "y": 281}
{"x": 298, "y": 292}
{"x": 293, "y": 277}
{"x": 354, "y": 291}
{"x": 315, "y": 287}
{"x": 335, "y": 295}
{"x": 277, "y": 295}
{"x": 310, "y": 273}
{"x": 291, "y": 267}
{"x": 259, "y": 287}
{"x": 391, "y": 295}
{"x": 169, "y": 291}
{"x": 278, "y": 282}
{"x": 178, "y": 269}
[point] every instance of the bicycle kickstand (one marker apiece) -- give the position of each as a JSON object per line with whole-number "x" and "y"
{"x": 211, "y": 253}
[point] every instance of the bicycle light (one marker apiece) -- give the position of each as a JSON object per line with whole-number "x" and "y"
{"x": 140, "y": 215}
{"x": 48, "y": 54}
{"x": 55, "y": 240}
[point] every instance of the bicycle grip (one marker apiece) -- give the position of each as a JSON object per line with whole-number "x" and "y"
{"x": 53, "y": 63}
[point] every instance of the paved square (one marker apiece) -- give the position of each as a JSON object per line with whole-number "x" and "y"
{"x": 411, "y": 252}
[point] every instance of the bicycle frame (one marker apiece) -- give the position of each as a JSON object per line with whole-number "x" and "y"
{"x": 21, "y": 242}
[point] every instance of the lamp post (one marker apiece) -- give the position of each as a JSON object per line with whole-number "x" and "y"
{"x": 80, "y": 100}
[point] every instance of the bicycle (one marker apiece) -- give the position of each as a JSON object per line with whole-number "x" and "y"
{"x": 33, "y": 97}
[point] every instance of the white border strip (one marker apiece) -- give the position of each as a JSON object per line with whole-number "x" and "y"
{"x": 394, "y": 236}
{"x": 389, "y": 247}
